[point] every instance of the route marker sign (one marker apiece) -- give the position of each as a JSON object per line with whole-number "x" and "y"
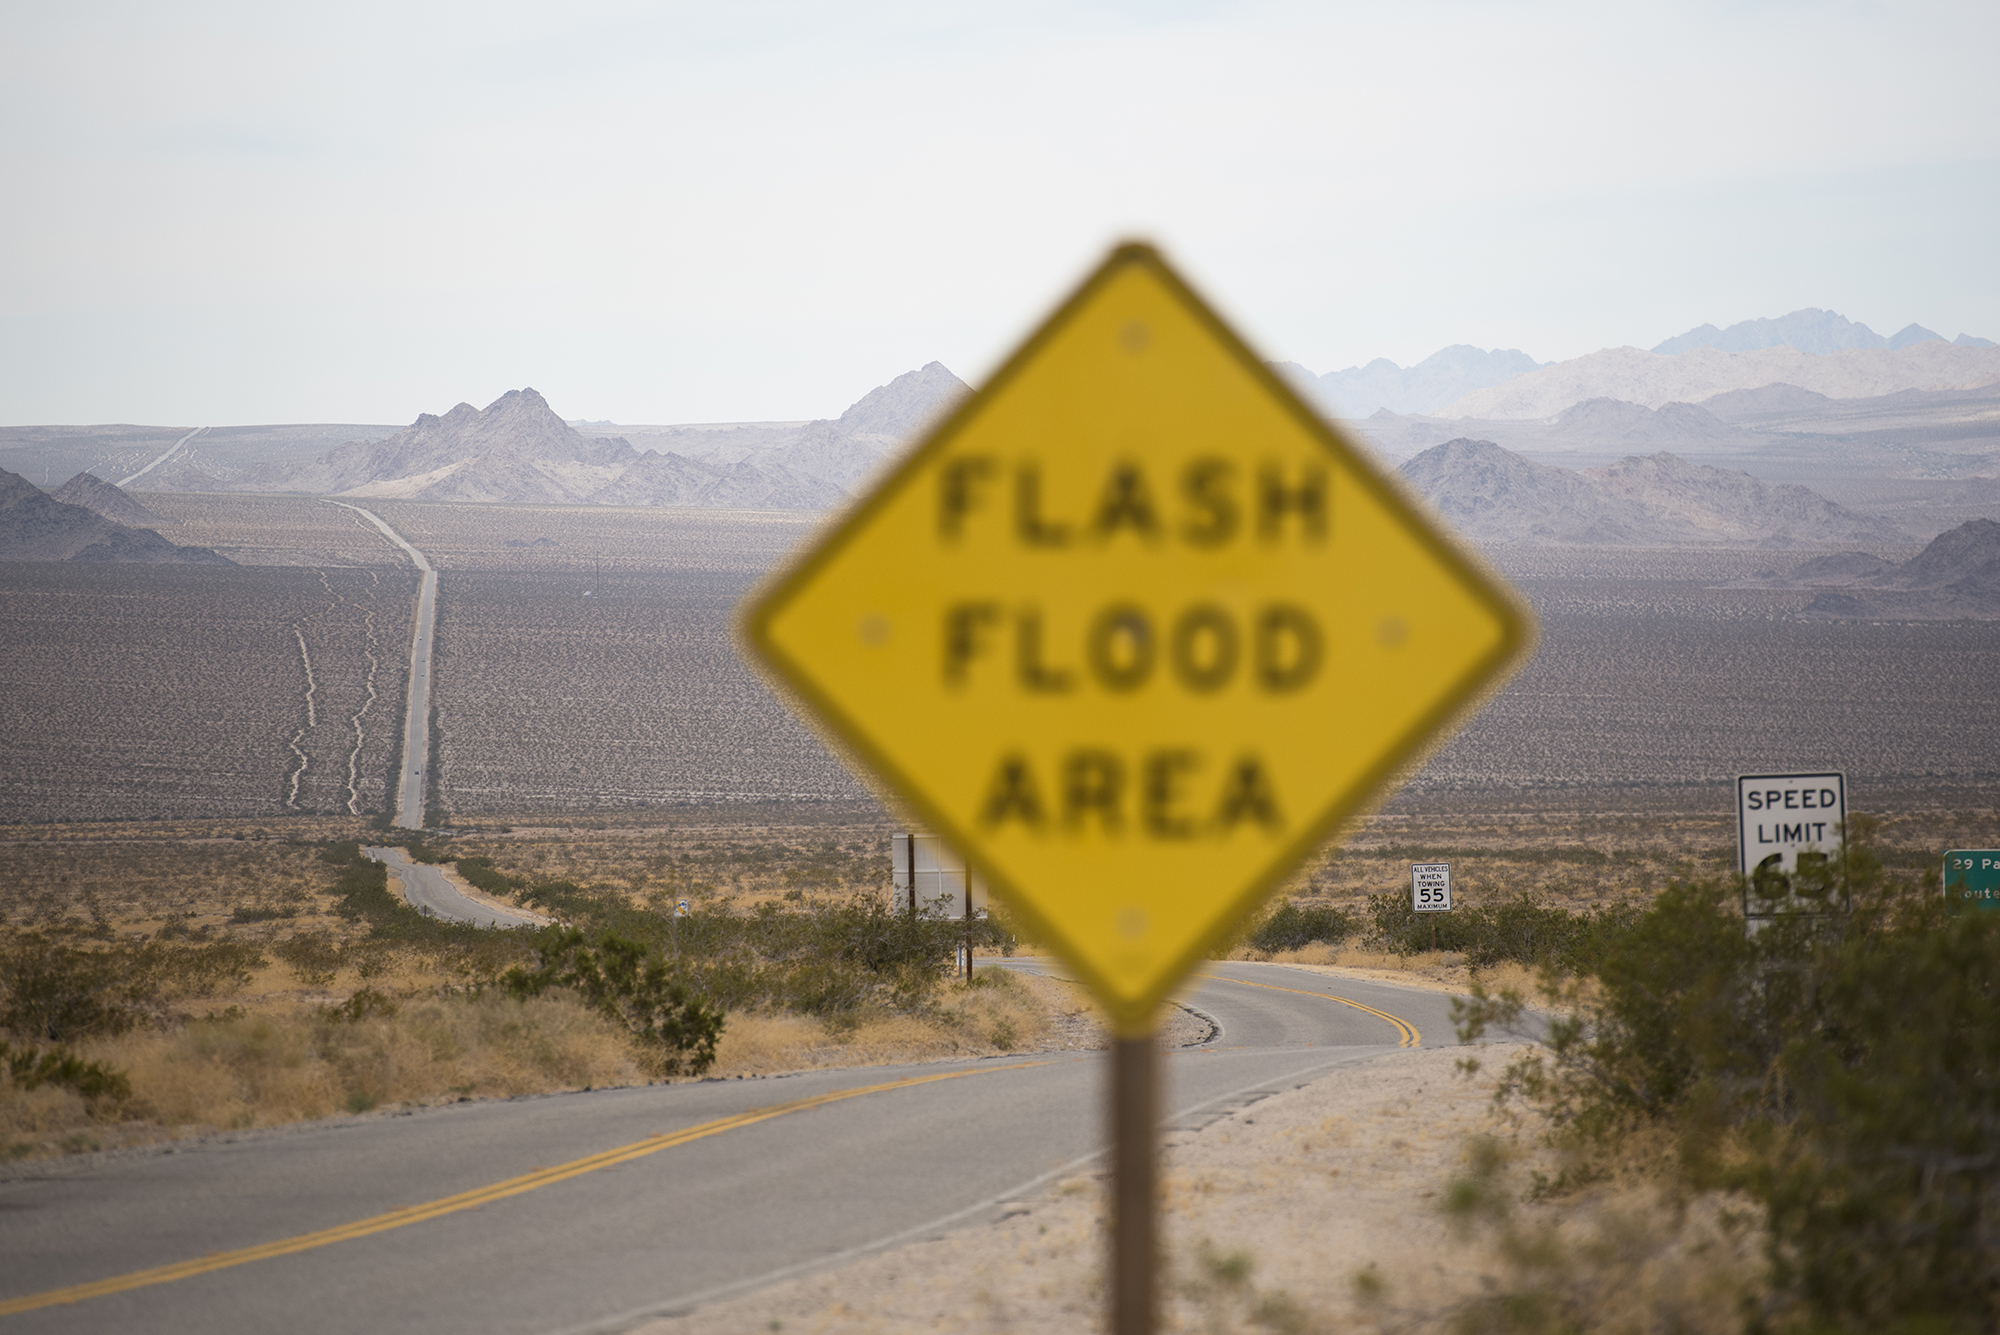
{"x": 1430, "y": 887}
{"x": 1135, "y": 629}
{"x": 1972, "y": 880}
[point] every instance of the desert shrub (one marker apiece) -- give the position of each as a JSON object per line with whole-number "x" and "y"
{"x": 175, "y": 972}
{"x": 1292, "y": 927}
{"x": 625, "y": 981}
{"x": 1519, "y": 930}
{"x": 314, "y": 957}
{"x": 244, "y": 913}
{"x": 420, "y": 851}
{"x": 57, "y": 987}
{"x": 52, "y": 990}
{"x": 31, "y": 1068}
{"x": 828, "y": 958}
{"x": 1840, "y": 1066}
{"x": 341, "y": 852}
{"x": 482, "y": 873}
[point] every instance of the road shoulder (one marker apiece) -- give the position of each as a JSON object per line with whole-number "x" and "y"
{"x": 1313, "y": 1186}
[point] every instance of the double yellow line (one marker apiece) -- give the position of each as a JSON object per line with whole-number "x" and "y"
{"x": 465, "y": 1200}
{"x": 1406, "y": 1032}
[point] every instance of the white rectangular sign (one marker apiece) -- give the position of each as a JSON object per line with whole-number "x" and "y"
{"x": 1430, "y": 887}
{"x": 928, "y": 877}
{"x": 1782, "y": 815}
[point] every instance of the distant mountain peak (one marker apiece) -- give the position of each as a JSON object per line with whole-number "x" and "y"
{"x": 910, "y": 401}
{"x": 100, "y": 497}
{"x": 1439, "y": 379}
{"x": 1810, "y": 329}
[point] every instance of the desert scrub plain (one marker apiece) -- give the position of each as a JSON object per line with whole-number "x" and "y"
{"x": 165, "y": 979}
{"x": 272, "y": 530}
{"x": 1647, "y": 675}
{"x": 585, "y": 663}
{"x": 149, "y": 692}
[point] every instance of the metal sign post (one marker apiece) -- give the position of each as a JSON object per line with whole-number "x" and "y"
{"x": 1430, "y": 891}
{"x": 1134, "y": 629}
{"x": 1135, "y": 1152}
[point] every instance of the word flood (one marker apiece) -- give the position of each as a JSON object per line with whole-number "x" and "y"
{"x": 1204, "y": 647}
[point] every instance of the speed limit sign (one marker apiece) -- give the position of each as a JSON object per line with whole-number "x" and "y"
{"x": 1430, "y": 887}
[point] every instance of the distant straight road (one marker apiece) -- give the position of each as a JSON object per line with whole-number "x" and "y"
{"x": 172, "y": 450}
{"x": 417, "y": 703}
{"x": 592, "y": 1211}
{"x": 427, "y": 889}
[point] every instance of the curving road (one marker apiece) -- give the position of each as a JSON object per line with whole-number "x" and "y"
{"x": 594, "y": 1211}
{"x": 428, "y": 891}
{"x": 417, "y": 700}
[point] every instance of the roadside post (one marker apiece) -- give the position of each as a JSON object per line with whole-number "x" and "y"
{"x": 1134, "y": 629}
{"x": 1972, "y": 880}
{"x": 1430, "y": 891}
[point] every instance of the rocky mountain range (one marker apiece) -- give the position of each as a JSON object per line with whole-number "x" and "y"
{"x": 1654, "y": 379}
{"x": 1437, "y": 380}
{"x": 35, "y": 526}
{"x": 1492, "y": 495}
{"x": 518, "y": 450}
{"x": 1595, "y": 426}
{"x": 1956, "y": 576}
{"x": 1809, "y": 330}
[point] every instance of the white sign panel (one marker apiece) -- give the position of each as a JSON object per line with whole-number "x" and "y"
{"x": 1783, "y": 815}
{"x": 928, "y": 877}
{"x": 1430, "y": 887}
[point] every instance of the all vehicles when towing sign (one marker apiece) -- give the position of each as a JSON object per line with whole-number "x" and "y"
{"x": 1134, "y": 629}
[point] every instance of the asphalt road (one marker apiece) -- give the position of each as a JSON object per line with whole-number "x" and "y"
{"x": 417, "y": 702}
{"x": 426, "y": 888}
{"x": 594, "y": 1211}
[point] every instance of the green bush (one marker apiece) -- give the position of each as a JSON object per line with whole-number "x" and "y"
{"x": 1520, "y": 930}
{"x": 482, "y": 873}
{"x": 341, "y": 852}
{"x": 828, "y": 959}
{"x": 627, "y": 982}
{"x": 1840, "y": 1066}
{"x": 31, "y": 1068}
{"x": 1292, "y": 927}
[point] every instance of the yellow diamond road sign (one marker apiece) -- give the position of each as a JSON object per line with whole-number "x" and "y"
{"x": 1134, "y": 630}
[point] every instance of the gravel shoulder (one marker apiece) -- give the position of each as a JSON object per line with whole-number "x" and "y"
{"x": 1279, "y": 1205}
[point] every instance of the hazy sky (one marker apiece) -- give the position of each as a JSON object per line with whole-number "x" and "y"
{"x": 688, "y": 212}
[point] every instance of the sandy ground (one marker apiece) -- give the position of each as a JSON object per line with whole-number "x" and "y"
{"x": 1270, "y": 1214}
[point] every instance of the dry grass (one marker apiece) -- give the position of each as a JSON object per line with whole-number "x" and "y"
{"x": 284, "y": 1061}
{"x": 277, "y": 1066}
{"x": 1436, "y": 970}
{"x": 998, "y": 1014}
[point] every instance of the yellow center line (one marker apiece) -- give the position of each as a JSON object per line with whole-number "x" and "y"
{"x": 465, "y": 1200}
{"x": 1410, "y": 1037}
